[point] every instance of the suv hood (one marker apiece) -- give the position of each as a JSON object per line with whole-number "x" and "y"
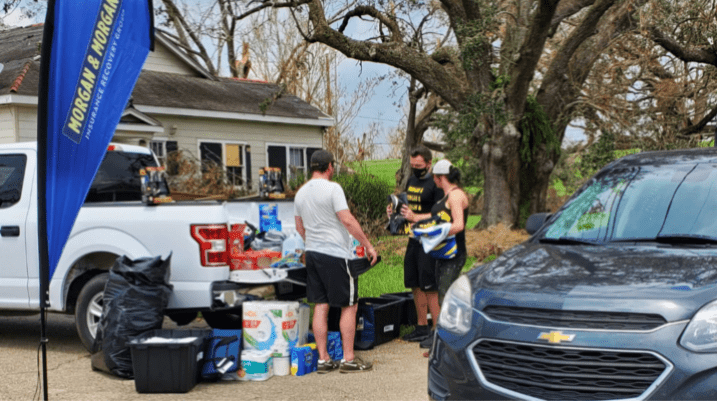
{"x": 671, "y": 281}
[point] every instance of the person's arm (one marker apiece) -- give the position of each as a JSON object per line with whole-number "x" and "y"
{"x": 411, "y": 216}
{"x": 354, "y": 228}
{"x": 300, "y": 227}
{"x": 455, "y": 202}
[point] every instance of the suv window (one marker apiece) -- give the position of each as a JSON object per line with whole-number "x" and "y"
{"x": 12, "y": 173}
{"x": 118, "y": 177}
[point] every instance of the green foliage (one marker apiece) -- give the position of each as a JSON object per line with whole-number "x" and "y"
{"x": 598, "y": 155}
{"x": 706, "y": 144}
{"x": 366, "y": 196}
{"x": 559, "y": 187}
{"x": 474, "y": 32}
{"x": 536, "y": 129}
{"x": 297, "y": 181}
{"x": 459, "y": 127}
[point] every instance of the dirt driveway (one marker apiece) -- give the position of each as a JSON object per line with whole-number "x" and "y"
{"x": 399, "y": 372}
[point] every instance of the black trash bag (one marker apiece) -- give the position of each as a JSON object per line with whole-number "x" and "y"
{"x": 134, "y": 300}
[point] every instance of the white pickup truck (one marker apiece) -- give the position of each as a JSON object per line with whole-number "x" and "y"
{"x": 115, "y": 222}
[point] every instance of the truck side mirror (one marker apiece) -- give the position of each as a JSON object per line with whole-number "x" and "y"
{"x": 535, "y": 221}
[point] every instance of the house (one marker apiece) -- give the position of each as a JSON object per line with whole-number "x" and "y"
{"x": 177, "y": 104}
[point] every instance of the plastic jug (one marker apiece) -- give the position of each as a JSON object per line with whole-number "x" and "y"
{"x": 293, "y": 244}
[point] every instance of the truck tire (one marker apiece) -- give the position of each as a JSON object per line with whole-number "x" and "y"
{"x": 182, "y": 318}
{"x": 228, "y": 320}
{"x": 88, "y": 310}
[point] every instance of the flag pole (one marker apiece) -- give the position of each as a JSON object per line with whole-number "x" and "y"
{"x": 44, "y": 259}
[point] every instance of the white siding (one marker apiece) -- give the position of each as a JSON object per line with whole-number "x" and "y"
{"x": 27, "y": 123}
{"x": 7, "y": 124}
{"x": 255, "y": 134}
{"x": 162, "y": 60}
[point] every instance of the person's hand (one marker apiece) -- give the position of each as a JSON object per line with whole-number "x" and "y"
{"x": 372, "y": 255}
{"x": 407, "y": 213}
{"x": 389, "y": 210}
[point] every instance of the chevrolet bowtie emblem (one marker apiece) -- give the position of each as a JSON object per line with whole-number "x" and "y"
{"x": 556, "y": 337}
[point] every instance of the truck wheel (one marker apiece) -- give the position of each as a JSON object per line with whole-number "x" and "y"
{"x": 88, "y": 309}
{"x": 182, "y": 318}
{"x": 227, "y": 320}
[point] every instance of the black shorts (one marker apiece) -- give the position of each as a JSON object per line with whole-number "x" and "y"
{"x": 447, "y": 271}
{"x": 328, "y": 280}
{"x": 419, "y": 269}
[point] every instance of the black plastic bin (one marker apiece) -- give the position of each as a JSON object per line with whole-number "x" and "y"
{"x": 167, "y": 367}
{"x": 408, "y": 316}
{"x": 379, "y": 321}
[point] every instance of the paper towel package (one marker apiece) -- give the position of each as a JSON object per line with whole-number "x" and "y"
{"x": 304, "y": 323}
{"x": 256, "y": 366}
{"x": 304, "y": 359}
{"x": 270, "y": 325}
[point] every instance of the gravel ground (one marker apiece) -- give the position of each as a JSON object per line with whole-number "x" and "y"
{"x": 399, "y": 372}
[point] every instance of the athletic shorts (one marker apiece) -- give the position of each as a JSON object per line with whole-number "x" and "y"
{"x": 419, "y": 269}
{"x": 447, "y": 271}
{"x": 328, "y": 280}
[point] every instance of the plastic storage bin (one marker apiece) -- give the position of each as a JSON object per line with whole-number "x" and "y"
{"x": 379, "y": 321}
{"x": 408, "y": 316}
{"x": 167, "y": 365}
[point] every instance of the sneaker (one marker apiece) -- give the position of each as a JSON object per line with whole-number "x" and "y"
{"x": 357, "y": 365}
{"x": 428, "y": 341}
{"x": 326, "y": 366}
{"x": 419, "y": 334}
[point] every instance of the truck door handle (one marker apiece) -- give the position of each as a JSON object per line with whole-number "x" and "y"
{"x": 10, "y": 231}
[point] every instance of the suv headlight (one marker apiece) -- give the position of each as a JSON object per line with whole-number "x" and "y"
{"x": 456, "y": 311}
{"x": 701, "y": 334}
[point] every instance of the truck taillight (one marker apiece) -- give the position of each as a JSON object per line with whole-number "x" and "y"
{"x": 212, "y": 239}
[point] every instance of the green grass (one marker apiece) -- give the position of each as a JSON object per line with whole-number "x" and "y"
{"x": 384, "y": 170}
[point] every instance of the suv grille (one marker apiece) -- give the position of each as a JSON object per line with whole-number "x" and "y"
{"x": 574, "y": 319}
{"x": 564, "y": 373}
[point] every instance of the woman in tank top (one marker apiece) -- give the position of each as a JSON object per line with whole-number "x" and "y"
{"x": 454, "y": 209}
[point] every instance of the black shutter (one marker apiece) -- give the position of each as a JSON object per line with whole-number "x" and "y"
{"x": 277, "y": 158}
{"x": 247, "y": 164}
{"x": 309, "y": 152}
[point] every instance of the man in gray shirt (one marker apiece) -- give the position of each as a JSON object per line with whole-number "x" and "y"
{"x": 324, "y": 221}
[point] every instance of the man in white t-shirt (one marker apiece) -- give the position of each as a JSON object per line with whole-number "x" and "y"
{"x": 324, "y": 221}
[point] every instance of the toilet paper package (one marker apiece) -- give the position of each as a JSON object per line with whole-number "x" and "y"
{"x": 256, "y": 366}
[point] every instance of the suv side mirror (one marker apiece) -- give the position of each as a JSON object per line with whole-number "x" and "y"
{"x": 535, "y": 221}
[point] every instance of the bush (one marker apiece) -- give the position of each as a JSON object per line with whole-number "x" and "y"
{"x": 367, "y": 199}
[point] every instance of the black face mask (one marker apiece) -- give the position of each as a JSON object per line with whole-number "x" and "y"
{"x": 419, "y": 172}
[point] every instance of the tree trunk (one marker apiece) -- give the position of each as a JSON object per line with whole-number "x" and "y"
{"x": 500, "y": 162}
{"x": 412, "y": 139}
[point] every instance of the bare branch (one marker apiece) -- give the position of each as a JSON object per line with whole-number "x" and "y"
{"x": 697, "y": 128}
{"x": 705, "y": 54}
{"x": 387, "y": 20}
{"x": 271, "y": 4}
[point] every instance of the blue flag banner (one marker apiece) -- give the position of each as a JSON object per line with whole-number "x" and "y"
{"x": 93, "y": 53}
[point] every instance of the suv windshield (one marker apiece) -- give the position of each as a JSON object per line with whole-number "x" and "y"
{"x": 666, "y": 202}
{"x": 118, "y": 177}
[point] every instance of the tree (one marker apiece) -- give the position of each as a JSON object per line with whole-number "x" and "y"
{"x": 658, "y": 84}
{"x": 274, "y": 51}
{"x": 513, "y": 64}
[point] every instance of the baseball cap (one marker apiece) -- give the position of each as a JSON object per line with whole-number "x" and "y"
{"x": 442, "y": 167}
{"x": 321, "y": 158}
